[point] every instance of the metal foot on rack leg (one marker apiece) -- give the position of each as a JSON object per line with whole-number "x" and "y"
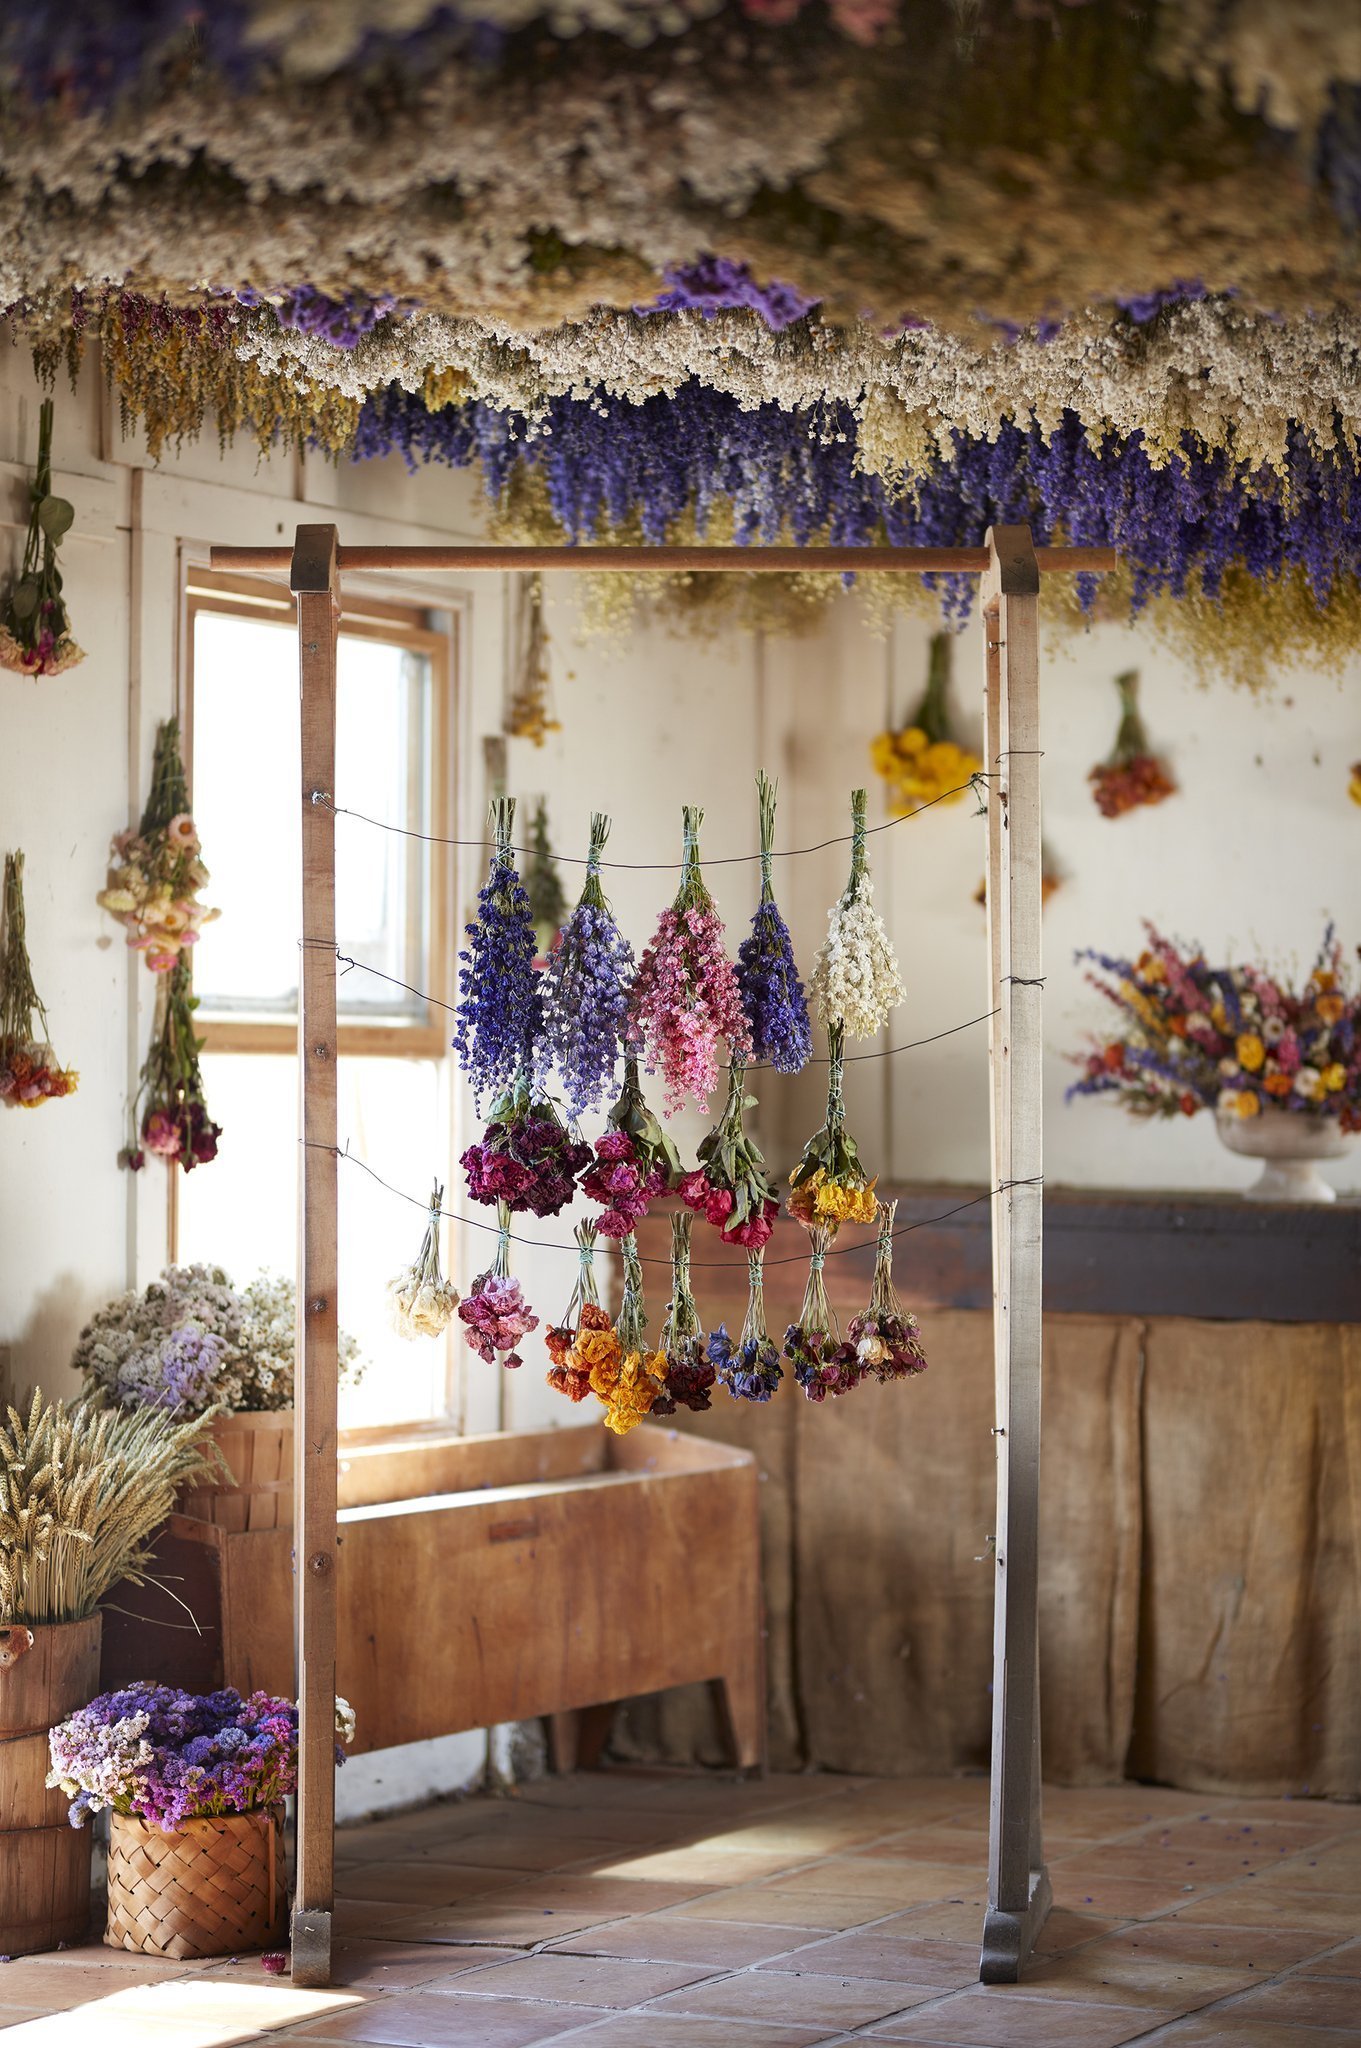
{"x": 311, "y": 1938}
{"x": 1009, "y": 1938}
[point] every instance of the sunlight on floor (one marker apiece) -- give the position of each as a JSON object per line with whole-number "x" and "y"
{"x": 201, "y": 2012}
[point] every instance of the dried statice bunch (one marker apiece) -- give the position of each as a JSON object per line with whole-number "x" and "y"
{"x": 749, "y": 1369}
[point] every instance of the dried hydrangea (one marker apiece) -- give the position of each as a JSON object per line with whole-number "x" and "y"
{"x": 855, "y": 976}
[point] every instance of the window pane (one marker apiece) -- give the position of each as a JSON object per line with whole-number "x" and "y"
{"x": 242, "y": 1212}
{"x": 246, "y": 778}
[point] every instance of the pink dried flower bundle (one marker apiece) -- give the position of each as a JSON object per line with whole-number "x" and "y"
{"x": 686, "y": 998}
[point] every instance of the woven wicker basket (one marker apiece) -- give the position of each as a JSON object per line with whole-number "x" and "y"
{"x": 212, "y": 1888}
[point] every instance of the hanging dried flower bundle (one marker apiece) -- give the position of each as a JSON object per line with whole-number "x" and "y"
{"x": 823, "y": 1364}
{"x": 689, "y": 1369}
{"x": 686, "y": 999}
{"x": 35, "y": 630}
{"x": 730, "y": 1187}
{"x": 543, "y": 887}
{"x": 584, "y": 1337}
{"x": 498, "y": 993}
{"x": 494, "y": 1314}
{"x": 629, "y": 1379}
{"x": 421, "y": 1301}
{"x": 855, "y": 975}
{"x": 585, "y": 992}
{"x": 526, "y": 1157}
{"x": 885, "y": 1336}
{"x": 156, "y": 873}
{"x": 1132, "y": 775}
{"x": 829, "y": 1186}
{"x": 749, "y": 1369}
{"x": 767, "y": 975}
{"x": 1354, "y": 785}
{"x": 529, "y": 714}
{"x": 634, "y": 1161}
{"x": 923, "y": 763}
{"x": 169, "y": 1113}
{"x": 30, "y": 1071}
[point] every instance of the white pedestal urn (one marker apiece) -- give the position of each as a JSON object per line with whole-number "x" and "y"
{"x": 1290, "y": 1143}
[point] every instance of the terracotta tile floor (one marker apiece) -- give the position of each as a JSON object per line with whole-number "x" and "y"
{"x": 638, "y": 1909}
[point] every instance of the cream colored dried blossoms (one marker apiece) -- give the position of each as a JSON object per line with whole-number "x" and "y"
{"x": 855, "y": 976}
{"x": 421, "y": 1302}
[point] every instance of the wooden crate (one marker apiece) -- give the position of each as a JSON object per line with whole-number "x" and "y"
{"x": 486, "y": 1579}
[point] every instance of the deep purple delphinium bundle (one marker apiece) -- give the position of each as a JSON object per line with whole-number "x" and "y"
{"x": 170, "y": 1756}
{"x": 584, "y": 993}
{"x": 498, "y": 988}
{"x": 749, "y": 1369}
{"x": 526, "y": 1157}
{"x": 767, "y": 974}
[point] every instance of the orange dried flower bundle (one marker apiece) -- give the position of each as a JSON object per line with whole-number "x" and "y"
{"x": 30, "y": 1072}
{"x": 574, "y": 1343}
{"x": 1133, "y": 775}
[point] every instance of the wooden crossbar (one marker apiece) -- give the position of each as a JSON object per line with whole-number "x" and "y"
{"x": 670, "y": 560}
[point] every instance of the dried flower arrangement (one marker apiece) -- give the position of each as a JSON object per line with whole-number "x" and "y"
{"x": 30, "y": 1072}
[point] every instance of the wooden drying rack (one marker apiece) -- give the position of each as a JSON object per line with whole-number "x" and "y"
{"x": 1011, "y": 568}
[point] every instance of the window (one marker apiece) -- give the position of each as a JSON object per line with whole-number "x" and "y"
{"x": 393, "y": 917}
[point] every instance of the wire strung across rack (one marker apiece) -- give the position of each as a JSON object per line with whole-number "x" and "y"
{"x": 323, "y": 799}
{"x": 717, "y": 1265}
{"x": 347, "y": 962}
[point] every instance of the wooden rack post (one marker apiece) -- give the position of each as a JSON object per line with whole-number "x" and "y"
{"x": 1018, "y": 1884}
{"x": 1011, "y": 567}
{"x": 315, "y": 581}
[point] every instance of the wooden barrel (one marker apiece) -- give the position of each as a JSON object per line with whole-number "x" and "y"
{"x": 258, "y": 1450}
{"x": 46, "y": 1672}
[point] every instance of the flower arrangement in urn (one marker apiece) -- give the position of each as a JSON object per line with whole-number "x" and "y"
{"x": 1280, "y": 1066}
{"x": 191, "y": 1342}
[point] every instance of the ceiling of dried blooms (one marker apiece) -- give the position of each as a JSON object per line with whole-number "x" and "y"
{"x": 861, "y": 270}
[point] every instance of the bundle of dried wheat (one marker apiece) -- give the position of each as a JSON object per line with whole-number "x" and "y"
{"x": 82, "y": 1493}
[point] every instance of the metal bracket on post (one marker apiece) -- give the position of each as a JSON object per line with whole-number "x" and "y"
{"x": 315, "y": 580}
{"x": 1018, "y": 1883}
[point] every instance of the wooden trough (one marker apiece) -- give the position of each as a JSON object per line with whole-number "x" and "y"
{"x": 486, "y": 1579}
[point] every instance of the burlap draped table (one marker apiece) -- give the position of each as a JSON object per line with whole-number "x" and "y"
{"x": 210, "y": 1888}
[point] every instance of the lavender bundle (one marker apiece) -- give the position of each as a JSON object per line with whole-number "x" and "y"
{"x": 885, "y": 1336}
{"x": 822, "y": 1363}
{"x": 585, "y": 992}
{"x": 689, "y": 1369}
{"x": 749, "y": 1369}
{"x": 767, "y": 976}
{"x": 498, "y": 995}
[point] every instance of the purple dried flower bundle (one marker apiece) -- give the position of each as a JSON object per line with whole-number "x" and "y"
{"x": 498, "y": 988}
{"x": 767, "y": 973}
{"x": 584, "y": 992}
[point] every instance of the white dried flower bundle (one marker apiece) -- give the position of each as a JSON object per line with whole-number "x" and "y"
{"x": 421, "y": 1302}
{"x": 855, "y": 976}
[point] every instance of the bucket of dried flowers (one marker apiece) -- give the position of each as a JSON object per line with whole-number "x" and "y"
{"x": 192, "y": 1342}
{"x": 82, "y": 1493}
{"x": 195, "y": 1785}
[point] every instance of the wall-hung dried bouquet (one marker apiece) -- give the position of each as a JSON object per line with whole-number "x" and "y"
{"x": 30, "y": 1072}
{"x": 922, "y": 762}
{"x": 35, "y": 630}
{"x": 1131, "y": 775}
{"x": 156, "y": 873}
{"x": 543, "y": 884}
{"x": 83, "y": 1491}
{"x": 529, "y": 714}
{"x": 170, "y": 1112}
{"x": 192, "y": 1342}
{"x": 421, "y": 1302}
